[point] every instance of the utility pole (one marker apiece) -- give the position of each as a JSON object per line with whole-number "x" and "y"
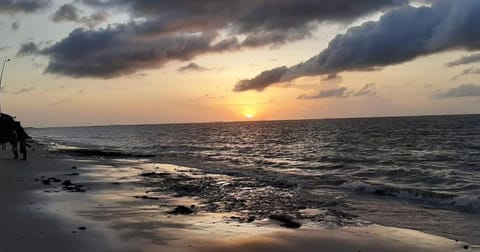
{"x": 1, "y": 78}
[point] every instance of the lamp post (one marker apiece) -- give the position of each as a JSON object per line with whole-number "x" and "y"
{"x": 1, "y": 78}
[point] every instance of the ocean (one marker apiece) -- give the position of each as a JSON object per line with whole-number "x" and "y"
{"x": 421, "y": 173}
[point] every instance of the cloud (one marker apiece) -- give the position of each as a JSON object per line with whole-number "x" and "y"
{"x": 367, "y": 90}
{"x": 331, "y": 76}
{"x": 208, "y": 97}
{"x": 24, "y": 90}
{"x": 192, "y": 67}
{"x": 400, "y": 35}
{"x": 66, "y": 12}
{"x": 116, "y": 54}
{"x": 29, "y": 48}
{"x": 467, "y": 90}
{"x": 60, "y": 102}
{"x": 15, "y": 26}
{"x": 163, "y": 31}
{"x": 341, "y": 92}
{"x": 470, "y": 59}
{"x": 26, "y": 6}
{"x": 258, "y": 83}
{"x": 468, "y": 71}
{"x": 70, "y": 13}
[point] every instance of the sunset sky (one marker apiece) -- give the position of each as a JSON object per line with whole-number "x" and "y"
{"x": 101, "y": 62}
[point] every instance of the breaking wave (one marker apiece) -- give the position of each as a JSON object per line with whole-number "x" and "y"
{"x": 467, "y": 203}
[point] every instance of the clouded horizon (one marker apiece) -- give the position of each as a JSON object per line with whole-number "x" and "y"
{"x": 90, "y": 62}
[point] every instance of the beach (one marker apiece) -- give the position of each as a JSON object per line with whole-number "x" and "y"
{"x": 291, "y": 125}
{"x": 101, "y": 210}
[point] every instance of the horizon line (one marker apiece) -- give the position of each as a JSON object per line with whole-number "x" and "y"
{"x": 255, "y": 121}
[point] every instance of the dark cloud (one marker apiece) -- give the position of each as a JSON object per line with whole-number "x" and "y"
{"x": 258, "y": 83}
{"x": 15, "y": 25}
{"x": 13, "y": 6}
{"x": 400, "y": 35}
{"x": 251, "y": 15}
{"x": 467, "y": 90}
{"x": 70, "y": 13}
{"x": 28, "y": 49}
{"x": 192, "y": 67}
{"x": 468, "y": 71}
{"x": 66, "y": 12}
{"x": 342, "y": 92}
{"x": 470, "y": 59}
{"x": 116, "y": 54}
{"x": 183, "y": 29}
{"x": 96, "y": 18}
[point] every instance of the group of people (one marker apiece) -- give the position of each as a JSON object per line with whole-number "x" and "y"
{"x": 12, "y": 132}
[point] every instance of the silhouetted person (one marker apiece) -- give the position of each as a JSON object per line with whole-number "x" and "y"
{"x": 22, "y": 137}
{"x": 7, "y": 132}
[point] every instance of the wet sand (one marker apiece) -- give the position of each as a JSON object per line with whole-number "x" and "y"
{"x": 25, "y": 225}
{"x": 105, "y": 206}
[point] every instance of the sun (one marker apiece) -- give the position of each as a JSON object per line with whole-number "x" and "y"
{"x": 249, "y": 115}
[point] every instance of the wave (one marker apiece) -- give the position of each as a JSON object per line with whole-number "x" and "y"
{"x": 466, "y": 203}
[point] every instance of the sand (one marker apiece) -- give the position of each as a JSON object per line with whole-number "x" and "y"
{"x": 39, "y": 217}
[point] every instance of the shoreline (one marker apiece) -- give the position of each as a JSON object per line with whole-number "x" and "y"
{"x": 39, "y": 217}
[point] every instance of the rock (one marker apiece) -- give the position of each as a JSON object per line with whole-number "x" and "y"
{"x": 67, "y": 183}
{"x": 285, "y": 221}
{"x": 154, "y": 174}
{"x": 82, "y": 228}
{"x": 181, "y": 210}
{"x": 466, "y": 247}
{"x": 72, "y": 174}
{"x": 250, "y": 219}
{"x": 146, "y": 197}
{"x": 49, "y": 180}
{"x": 71, "y": 187}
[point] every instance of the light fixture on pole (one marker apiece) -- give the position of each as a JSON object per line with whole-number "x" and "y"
{"x": 1, "y": 78}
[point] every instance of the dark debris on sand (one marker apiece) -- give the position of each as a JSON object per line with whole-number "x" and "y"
{"x": 285, "y": 221}
{"x": 146, "y": 197}
{"x": 181, "y": 210}
{"x": 66, "y": 185}
{"x": 249, "y": 198}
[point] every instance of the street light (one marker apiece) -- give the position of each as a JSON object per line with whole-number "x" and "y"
{"x": 1, "y": 78}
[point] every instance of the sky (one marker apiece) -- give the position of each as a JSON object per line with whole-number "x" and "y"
{"x": 102, "y": 62}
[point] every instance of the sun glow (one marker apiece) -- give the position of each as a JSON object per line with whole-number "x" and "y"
{"x": 249, "y": 115}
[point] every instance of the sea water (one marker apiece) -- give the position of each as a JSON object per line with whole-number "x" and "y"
{"x": 414, "y": 172}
